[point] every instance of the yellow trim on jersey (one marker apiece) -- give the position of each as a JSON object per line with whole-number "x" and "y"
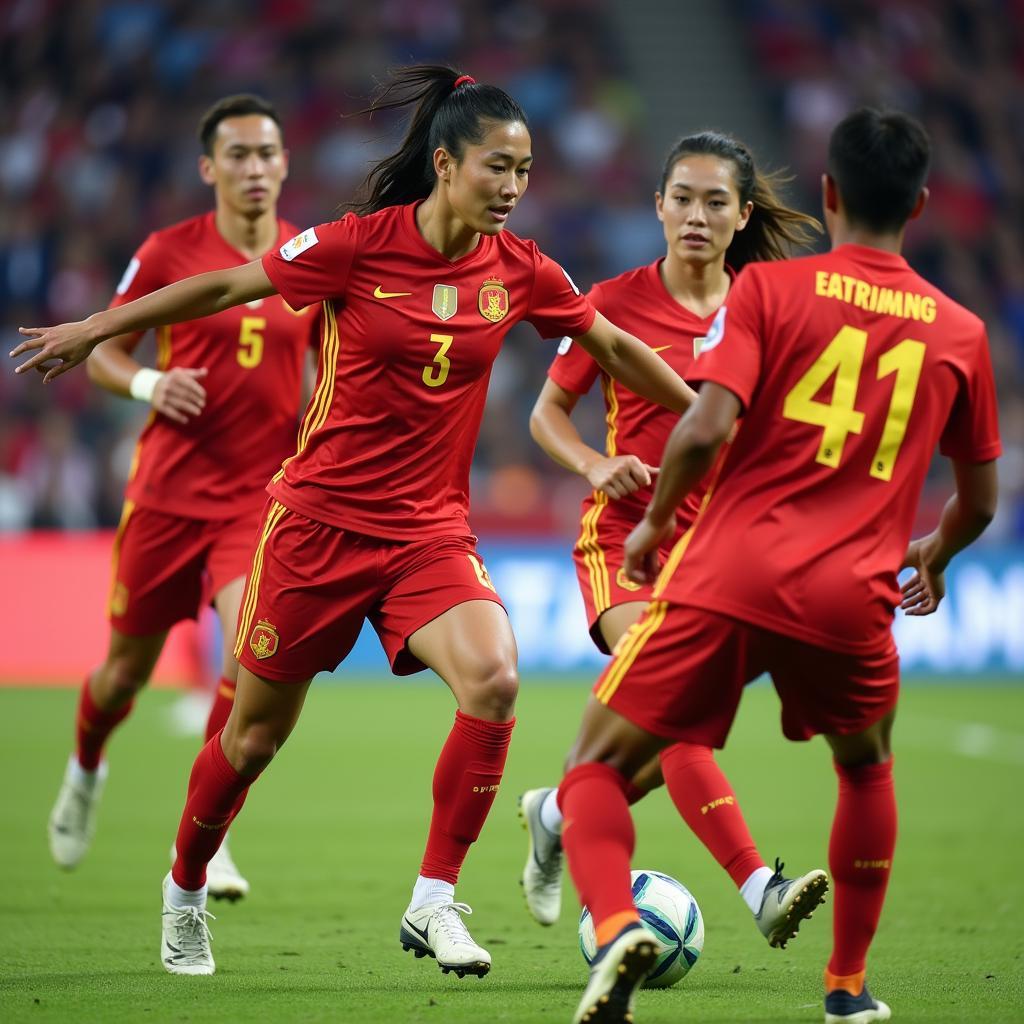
{"x": 611, "y": 401}
{"x": 638, "y": 635}
{"x": 126, "y": 511}
{"x": 253, "y": 586}
{"x": 593, "y": 554}
{"x": 320, "y": 404}
{"x": 163, "y": 347}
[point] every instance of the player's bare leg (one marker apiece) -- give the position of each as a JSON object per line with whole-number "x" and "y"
{"x": 860, "y": 859}
{"x": 106, "y": 700}
{"x": 223, "y": 879}
{"x": 262, "y": 718}
{"x": 472, "y": 649}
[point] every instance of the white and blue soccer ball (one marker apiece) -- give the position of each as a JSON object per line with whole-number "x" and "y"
{"x": 668, "y": 909}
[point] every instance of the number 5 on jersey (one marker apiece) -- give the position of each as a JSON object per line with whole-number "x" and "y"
{"x": 250, "y": 341}
{"x": 436, "y": 373}
{"x": 844, "y": 357}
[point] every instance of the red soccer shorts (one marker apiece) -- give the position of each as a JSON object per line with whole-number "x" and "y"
{"x": 599, "y": 554}
{"x": 167, "y": 567}
{"x": 313, "y": 585}
{"x": 680, "y": 673}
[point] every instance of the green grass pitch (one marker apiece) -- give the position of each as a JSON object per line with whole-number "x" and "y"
{"x": 331, "y": 840}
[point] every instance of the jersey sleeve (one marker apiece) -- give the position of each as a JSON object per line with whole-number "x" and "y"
{"x": 574, "y": 368}
{"x": 145, "y": 273}
{"x": 971, "y": 433}
{"x": 557, "y": 309}
{"x": 730, "y": 353}
{"x": 315, "y": 264}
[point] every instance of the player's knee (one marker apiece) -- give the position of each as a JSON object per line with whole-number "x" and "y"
{"x": 494, "y": 694}
{"x": 120, "y": 680}
{"x": 252, "y": 748}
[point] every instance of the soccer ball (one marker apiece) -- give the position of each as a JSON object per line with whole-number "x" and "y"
{"x": 667, "y": 909}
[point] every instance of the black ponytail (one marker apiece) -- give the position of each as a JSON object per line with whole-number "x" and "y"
{"x": 444, "y": 115}
{"x": 774, "y": 229}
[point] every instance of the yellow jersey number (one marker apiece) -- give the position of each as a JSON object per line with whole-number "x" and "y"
{"x": 250, "y": 341}
{"x": 436, "y": 373}
{"x": 844, "y": 357}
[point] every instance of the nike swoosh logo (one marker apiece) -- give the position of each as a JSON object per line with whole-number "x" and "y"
{"x": 379, "y": 293}
{"x": 419, "y": 931}
{"x": 661, "y": 349}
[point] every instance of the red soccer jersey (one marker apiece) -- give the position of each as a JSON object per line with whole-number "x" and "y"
{"x": 217, "y": 465}
{"x": 851, "y": 368}
{"x": 385, "y": 448}
{"x": 638, "y": 302}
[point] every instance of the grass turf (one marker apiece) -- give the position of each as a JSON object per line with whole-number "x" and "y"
{"x": 331, "y": 840}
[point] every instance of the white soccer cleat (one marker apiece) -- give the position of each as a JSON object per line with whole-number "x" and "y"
{"x": 185, "y": 938}
{"x": 72, "y": 821}
{"x": 438, "y": 930}
{"x": 542, "y": 873}
{"x": 788, "y": 901}
{"x": 617, "y": 971}
{"x": 223, "y": 879}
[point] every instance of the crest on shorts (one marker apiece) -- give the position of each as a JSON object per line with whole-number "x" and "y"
{"x": 625, "y": 582}
{"x": 492, "y": 300}
{"x": 263, "y": 640}
{"x": 445, "y": 302}
{"x": 119, "y": 599}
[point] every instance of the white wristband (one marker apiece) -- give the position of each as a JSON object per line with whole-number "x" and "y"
{"x": 144, "y": 383}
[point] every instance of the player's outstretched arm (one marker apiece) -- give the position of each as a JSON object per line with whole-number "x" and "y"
{"x": 635, "y": 366}
{"x": 689, "y": 454}
{"x": 551, "y": 426}
{"x": 58, "y": 349}
{"x": 963, "y": 520}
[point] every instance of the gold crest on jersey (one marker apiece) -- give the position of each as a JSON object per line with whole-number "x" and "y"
{"x": 445, "y": 302}
{"x": 625, "y": 582}
{"x": 263, "y": 640}
{"x": 492, "y": 300}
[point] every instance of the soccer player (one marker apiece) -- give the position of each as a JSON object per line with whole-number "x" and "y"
{"x": 225, "y": 399}
{"x": 370, "y": 518}
{"x": 848, "y": 369}
{"x": 718, "y": 212}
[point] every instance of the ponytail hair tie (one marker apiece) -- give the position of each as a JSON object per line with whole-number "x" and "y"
{"x": 463, "y": 80}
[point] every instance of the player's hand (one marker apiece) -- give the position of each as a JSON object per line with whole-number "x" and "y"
{"x": 641, "y": 564}
{"x": 59, "y": 348}
{"x": 924, "y": 591}
{"x": 620, "y": 475}
{"x": 178, "y": 395}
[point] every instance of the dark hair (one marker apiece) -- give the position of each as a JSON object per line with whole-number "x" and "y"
{"x": 443, "y": 116}
{"x": 879, "y": 162}
{"x": 239, "y": 105}
{"x": 774, "y": 229}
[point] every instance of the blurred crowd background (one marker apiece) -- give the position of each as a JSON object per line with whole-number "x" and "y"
{"x": 100, "y": 101}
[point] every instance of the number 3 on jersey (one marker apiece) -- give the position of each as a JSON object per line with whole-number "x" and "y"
{"x": 436, "y": 373}
{"x": 844, "y": 357}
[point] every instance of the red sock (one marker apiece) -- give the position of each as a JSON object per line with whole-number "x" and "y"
{"x": 860, "y": 859}
{"x": 704, "y": 798}
{"x": 216, "y": 793}
{"x": 466, "y": 782}
{"x": 93, "y": 726}
{"x": 222, "y": 704}
{"x": 598, "y": 839}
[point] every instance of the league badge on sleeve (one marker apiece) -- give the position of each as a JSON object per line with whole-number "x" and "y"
{"x": 714, "y": 336}
{"x": 299, "y": 244}
{"x": 492, "y": 300}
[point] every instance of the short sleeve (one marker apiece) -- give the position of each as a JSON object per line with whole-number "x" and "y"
{"x": 557, "y": 309}
{"x": 144, "y": 274}
{"x": 315, "y": 264}
{"x": 574, "y": 368}
{"x": 971, "y": 433}
{"x": 730, "y": 353}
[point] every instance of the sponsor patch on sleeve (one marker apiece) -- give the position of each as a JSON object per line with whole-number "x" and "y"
{"x": 299, "y": 244}
{"x": 128, "y": 276}
{"x": 564, "y": 345}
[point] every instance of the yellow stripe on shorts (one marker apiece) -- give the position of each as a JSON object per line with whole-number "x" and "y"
{"x": 253, "y": 586}
{"x": 126, "y": 511}
{"x": 593, "y": 554}
{"x": 638, "y": 635}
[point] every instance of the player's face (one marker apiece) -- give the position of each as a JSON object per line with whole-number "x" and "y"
{"x": 248, "y": 166}
{"x": 701, "y": 209}
{"x": 484, "y": 187}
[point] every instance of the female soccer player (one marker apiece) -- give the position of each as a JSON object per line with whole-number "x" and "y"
{"x": 369, "y": 518}
{"x": 719, "y": 212}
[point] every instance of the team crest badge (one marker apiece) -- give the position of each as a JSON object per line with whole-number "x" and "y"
{"x": 492, "y": 300}
{"x": 119, "y": 599}
{"x": 445, "y": 302}
{"x": 625, "y": 582}
{"x": 264, "y": 640}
